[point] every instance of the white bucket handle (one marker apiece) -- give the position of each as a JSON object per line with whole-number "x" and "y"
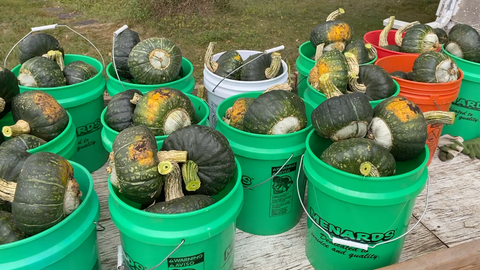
{"x": 272, "y": 175}
{"x": 115, "y": 34}
{"x": 121, "y": 255}
{"x": 363, "y": 246}
{"x": 48, "y": 27}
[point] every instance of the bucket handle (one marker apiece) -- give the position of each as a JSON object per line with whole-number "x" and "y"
{"x": 279, "y": 170}
{"x": 121, "y": 255}
{"x": 98, "y": 226}
{"x": 48, "y": 27}
{"x": 341, "y": 241}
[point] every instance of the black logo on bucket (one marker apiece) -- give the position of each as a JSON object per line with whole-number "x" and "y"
{"x": 282, "y": 184}
{"x": 469, "y": 104}
{"x": 89, "y": 128}
{"x": 195, "y": 262}
{"x": 133, "y": 265}
{"x": 282, "y": 193}
{"x": 246, "y": 180}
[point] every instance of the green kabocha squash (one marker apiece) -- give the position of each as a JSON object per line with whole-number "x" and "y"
{"x": 78, "y": 71}
{"x": 399, "y": 74}
{"x": 11, "y": 162}
{"x": 120, "y": 108}
{"x": 360, "y": 156}
{"x": 135, "y": 163}
{"x": 164, "y": 110}
{"x": 434, "y": 67}
{"x": 360, "y": 50}
{"x": 225, "y": 64}
{"x": 41, "y": 72}
{"x": 37, "y": 44}
{"x": 9, "y": 232}
{"x": 155, "y": 61}
{"x": 332, "y": 31}
{"x": 8, "y": 89}
{"x": 211, "y": 161}
{"x": 418, "y": 39}
{"x": 341, "y": 116}
{"x": 399, "y": 125}
{"x": 235, "y": 114}
{"x": 5, "y": 206}
{"x": 275, "y": 112}
{"x": 442, "y": 35}
{"x": 124, "y": 43}
{"x": 335, "y": 64}
{"x": 464, "y": 42}
{"x": 38, "y": 113}
{"x": 258, "y": 67}
{"x": 23, "y": 142}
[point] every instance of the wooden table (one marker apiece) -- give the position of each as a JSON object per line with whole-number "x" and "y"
{"x": 452, "y": 218}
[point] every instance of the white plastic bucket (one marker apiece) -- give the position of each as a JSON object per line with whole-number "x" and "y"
{"x": 228, "y": 87}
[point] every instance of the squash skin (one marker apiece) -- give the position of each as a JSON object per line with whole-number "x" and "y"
{"x": 425, "y": 66}
{"x": 140, "y": 65}
{"x": 378, "y": 82}
{"x": 357, "y": 47}
{"x": 46, "y": 117}
{"x": 135, "y": 158}
{"x": 9, "y": 232}
{"x": 119, "y": 114}
{"x": 271, "y": 107}
{"x": 22, "y": 142}
{"x": 39, "y": 197}
{"x": 255, "y": 70}
{"x": 334, "y": 63}
{"x": 336, "y": 113}
{"x": 468, "y": 39}
{"x": 11, "y": 162}
{"x": 36, "y": 45}
{"x": 239, "y": 108}
{"x": 154, "y": 107}
{"x": 400, "y": 74}
{"x": 8, "y": 89}
{"x": 348, "y": 155}
{"x": 413, "y": 39}
{"x": 210, "y": 150}
{"x": 228, "y": 62}
{"x": 45, "y": 72}
{"x": 441, "y": 34}
{"x": 183, "y": 204}
{"x": 78, "y": 71}
{"x": 331, "y": 31}
{"x": 124, "y": 44}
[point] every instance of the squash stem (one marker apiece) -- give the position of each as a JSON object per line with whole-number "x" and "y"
{"x": 190, "y": 175}
{"x": 372, "y": 52}
{"x": 173, "y": 155}
{"x": 439, "y": 117}
{"x": 165, "y": 167}
{"x": 382, "y": 40}
{"x": 202, "y": 92}
{"x": 21, "y": 127}
{"x": 7, "y": 190}
{"x": 352, "y": 63}
{"x": 399, "y": 34}
{"x": 329, "y": 89}
{"x": 274, "y": 68}
{"x": 173, "y": 183}
{"x": 71, "y": 200}
{"x": 354, "y": 85}
{"x": 209, "y": 63}
{"x": 2, "y": 104}
{"x": 319, "y": 51}
{"x": 113, "y": 173}
{"x": 136, "y": 97}
{"x": 282, "y": 86}
{"x": 367, "y": 169}
{"x": 332, "y": 16}
{"x": 56, "y": 56}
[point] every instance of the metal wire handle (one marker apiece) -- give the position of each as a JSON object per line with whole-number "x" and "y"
{"x": 121, "y": 254}
{"x": 341, "y": 241}
{"x": 272, "y": 175}
{"x": 48, "y": 27}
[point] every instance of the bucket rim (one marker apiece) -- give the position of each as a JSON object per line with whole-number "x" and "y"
{"x": 264, "y": 136}
{"x": 55, "y": 140}
{"x": 139, "y": 86}
{"x": 238, "y": 185}
{"x": 306, "y": 43}
{"x": 361, "y": 177}
{"x": 88, "y": 197}
{"x": 67, "y": 87}
{"x": 456, "y": 58}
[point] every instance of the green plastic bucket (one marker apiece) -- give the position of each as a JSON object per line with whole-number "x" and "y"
{"x": 64, "y": 144}
{"x": 314, "y": 97}
{"x": 467, "y": 105}
{"x": 71, "y": 244}
{"x": 357, "y": 211}
{"x": 205, "y": 238}
{"x": 185, "y": 84}
{"x": 108, "y": 134}
{"x": 270, "y": 206}
{"x": 84, "y": 101}
{"x": 304, "y": 64}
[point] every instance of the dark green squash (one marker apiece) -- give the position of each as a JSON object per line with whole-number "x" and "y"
{"x": 227, "y": 62}
{"x": 399, "y": 74}
{"x": 45, "y": 194}
{"x": 275, "y": 112}
{"x": 210, "y": 151}
{"x": 8, "y": 89}
{"x": 37, "y": 44}
{"x": 265, "y": 67}
{"x": 183, "y": 204}
{"x": 434, "y": 67}
{"x": 442, "y": 35}
{"x": 9, "y": 232}
{"x": 119, "y": 113}
{"x": 331, "y": 31}
{"x": 464, "y": 42}
{"x": 155, "y": 61}
{"x": 360, "y": 156}
{"x": 38, "y": 113}
{"x": 135, "y": 161}
{"x": 5, "y": 206}
{"x": 78, "y": 71}
{"x": 11, "y": 162}
{"x": 41, "y": 72}
{"x": 234, "y": 115}
{"x": 23, "y": 142}
{"x": 164, "y": 110}
{"x": 419, "y": 38}
{"x": 379, "y": 84}
{"x": 124, "y": 43}
{"x": 335, "y": 64}
{"x": 357, "y": 47}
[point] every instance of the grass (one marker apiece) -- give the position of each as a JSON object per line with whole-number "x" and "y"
{"x": 243, "y": 25}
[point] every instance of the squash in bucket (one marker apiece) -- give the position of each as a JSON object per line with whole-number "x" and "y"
{"x": 8, "y": 89}
{"x": 124, "y": 44}
{"x": 227, "y": 63}
{"x": 41, "y": 72}
{"x": 434, "y": 67}
{"x": 464, "y": 42}
{"x": 332, "y": 33}
{"x": 120, "y": 108}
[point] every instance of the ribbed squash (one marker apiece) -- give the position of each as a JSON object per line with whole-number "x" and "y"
{"x": 419, "y": 38}
{"x": 120, "y": 108}
{"x": 9, "y": 232}
{"x": 11, "y": 162}
{"x": 135, "y": 161}
{"x": 275, "y": 112}
{"x": 464, "y": 42}
{"x": 360, "y": 156}
{"x": 124, "y": 44}
{"x": 235, "y": 114}
{"x": 23, "y": 142}
{"x": 164, "y": 110}
{"x": 8, "y": 89}
{"x": 335, "y": 64}
{"x": 399, "y": 74}
{"x": 155, "y": 61}
{"x": 37, "y": 44}
{"x": 183, "y": 204}
{"x": 78, "y": 71}
{"x": 38, "y": 113}
{"x": 442, "y": 35}
{"x": 40, "y": 72}
{"x": 265, "y": 67}
{"x": 434, "y": 67}
{"x": 359, "y": 49}
{"x": 331, "y": 31}
{"x": 227, "y": 62}
{"x": 379, "y": 84}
